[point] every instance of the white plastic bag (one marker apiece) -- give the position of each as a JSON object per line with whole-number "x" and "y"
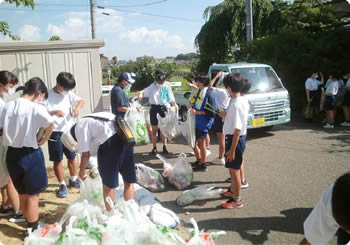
{"x": 163, "y": 216}
{"x": 91, "y": 189}
{"x": 167, "y": 124}
{"x": 149, "y": 178}
{"x": 135, "y": 118}
{"x": 202, "y": 238}
{"x": 180, "y": 174}
{"x": 198, "y": 193}
{"x": 188, "y": 129}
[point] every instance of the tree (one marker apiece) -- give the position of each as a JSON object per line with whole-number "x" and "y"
{"x": 4, "y": 27}
{"x": 55, "y": 38}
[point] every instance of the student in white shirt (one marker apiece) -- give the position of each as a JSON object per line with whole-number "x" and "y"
{"x": 330, "y": 215}
{"x": 346, "y": 101}
{"x": 330, "y": 99}
{"x": 235, "y": 130}
{"x": 312, "y": 96}
{"x": 10, "y": 198}
{"x": 97, "y": 132}
{"x": 160, "y": 97}
{"x": 63, "y": 105}
{"x": 21, "y": 120}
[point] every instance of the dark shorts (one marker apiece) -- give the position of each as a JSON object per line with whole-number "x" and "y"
{"x": 218, "y": 124}
{"x": 329, "y": 103}
{"x": 200, "y": 134}
{"x": 27, "y": 169}
{"x": 56, "y": 148}
{"x": 114, "y": 158}
{"x": 346, "y": 101}
{"x": 237, "y": 162}
{"x": 315, "y": 98}
{"x": 156, "y": 109}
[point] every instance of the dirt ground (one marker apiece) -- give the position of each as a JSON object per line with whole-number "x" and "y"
{"x": 51, "y": 210}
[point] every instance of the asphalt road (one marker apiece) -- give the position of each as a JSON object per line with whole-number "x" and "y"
{"x": 287, "y": 169}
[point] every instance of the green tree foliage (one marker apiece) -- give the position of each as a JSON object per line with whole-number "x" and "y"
{"x": 54, "y": 38}
{"x": 189, "y": 56}
{"x": 4, "y": 27}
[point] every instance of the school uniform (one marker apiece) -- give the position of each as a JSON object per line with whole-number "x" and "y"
{"x": 203, "y": 100}
{"x": 21, "y": 119}
{"x": 236, "y": 118}
{"x": 312, "y": 84}
{"x": 118, "y": 99}
{"x": 330, "y": 100}
{"x": 65, "y": 103}
{"x": 346, "y": 101}
{"x": 112, "y": 156}
{"x": 320, "y": 226}
{"x": 222, "y": 99}
{"x": 159, "y": 96}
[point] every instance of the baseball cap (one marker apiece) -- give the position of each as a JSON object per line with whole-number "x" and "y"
{"x": 126, "y": 76}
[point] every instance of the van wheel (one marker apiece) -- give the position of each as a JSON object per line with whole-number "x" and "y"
{"x": 183, "y": 114}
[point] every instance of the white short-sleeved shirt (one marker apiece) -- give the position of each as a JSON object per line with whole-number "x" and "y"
{"x": 236, "y": 116}
{"x": 64, "y": 103}
{"x": 320, "y": 226}
{"x": 91, "y": 133}
{"x": 222, "y": 98}
{"x": 312, "y": 84}
{"x": 332, "y": 88}
{"x": 21, "y": 120}
{"x": 348, "y": 83}
{"x": 159, "y": 95}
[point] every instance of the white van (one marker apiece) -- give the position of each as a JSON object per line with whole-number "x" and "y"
{"x": 106, "y": 97}
{"x": 268, "y": 99}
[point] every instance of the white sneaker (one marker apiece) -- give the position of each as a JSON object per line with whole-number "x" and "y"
{"x": 192, "y": 153}
{"x": 208, "y": 153}
{"x": 345, "y": 124}
{"x": 328, "y": 126}
{"x": 219, "y": 161}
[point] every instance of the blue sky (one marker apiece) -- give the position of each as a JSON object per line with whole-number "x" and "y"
{"x": 129, "y": 32}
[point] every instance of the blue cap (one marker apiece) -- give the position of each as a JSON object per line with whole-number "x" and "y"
{"x": 126, "y": 76}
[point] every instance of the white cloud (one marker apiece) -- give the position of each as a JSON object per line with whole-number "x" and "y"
{"x": 29, "y": 33}
{"x": 73, "y": 28}
{"x": 154, "y": 38}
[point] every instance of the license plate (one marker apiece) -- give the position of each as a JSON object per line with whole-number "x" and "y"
{"x": 258, "y": 122}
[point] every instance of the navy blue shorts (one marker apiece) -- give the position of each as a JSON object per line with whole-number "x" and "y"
{"x": 27, "y": 169}
{"x": 200, "y": 134}
{"x": 329, "y": 103}
{"x": 237, "y": 162}
{"x": 113, "y": 158}
{"x": 218, "y": 124}
{"x": 315, "y": 98}
{"x": 156, "y": 109}
{"x": 346, "y": 101}
{"x": 56, "y": 148}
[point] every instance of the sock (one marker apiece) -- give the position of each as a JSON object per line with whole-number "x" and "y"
{"x": 7, "y": 206}
{"x": 73, "y": 178}
{"x": 33, "y": 225}
{"x": 236, "y": 199}
{"x": 62, "y": 182}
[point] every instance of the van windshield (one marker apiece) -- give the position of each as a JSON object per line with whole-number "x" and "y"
{"x": 263, "y": 79}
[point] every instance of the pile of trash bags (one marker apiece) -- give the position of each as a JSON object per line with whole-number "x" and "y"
{"x": 139, "y": 221}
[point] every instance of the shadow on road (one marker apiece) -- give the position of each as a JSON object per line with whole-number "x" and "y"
{"x": 256, "y": 229}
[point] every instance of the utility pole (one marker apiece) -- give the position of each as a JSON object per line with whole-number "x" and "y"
{"x": 92, "y": 15}
{"x": 249, "y": 20}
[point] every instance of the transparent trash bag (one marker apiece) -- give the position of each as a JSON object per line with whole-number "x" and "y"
{"x": 149, "y": 178}
{"x": 199, "y": 193}
{"x": 135, "y": 118}
{"x": 47, "y": 235}
{"x": 168, "y": 124}
{"x": 180, "y": 174}
{"x": 75, "y": 236}
{"x": 202, "y": 238}
{"x": 188, "y": 129}
{"x": 91, "y": 189}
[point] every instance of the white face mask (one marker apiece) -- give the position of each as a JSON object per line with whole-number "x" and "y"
{"x": 11, "y": 91}
{"x": 64, "y": 93}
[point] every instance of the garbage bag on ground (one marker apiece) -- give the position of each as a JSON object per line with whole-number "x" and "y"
{"x": 202, "y": 238}
{"x": 180, "y": 174}
{"x": 135, "y": 117}
{"x": 149, "y": 178}
{"x": 167, "y": 124}
{"x": 198, "y": 193}
{"x": 47, "y": 235}
{"x": 163, "y": 216}
{"x": 188, "y": 129}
